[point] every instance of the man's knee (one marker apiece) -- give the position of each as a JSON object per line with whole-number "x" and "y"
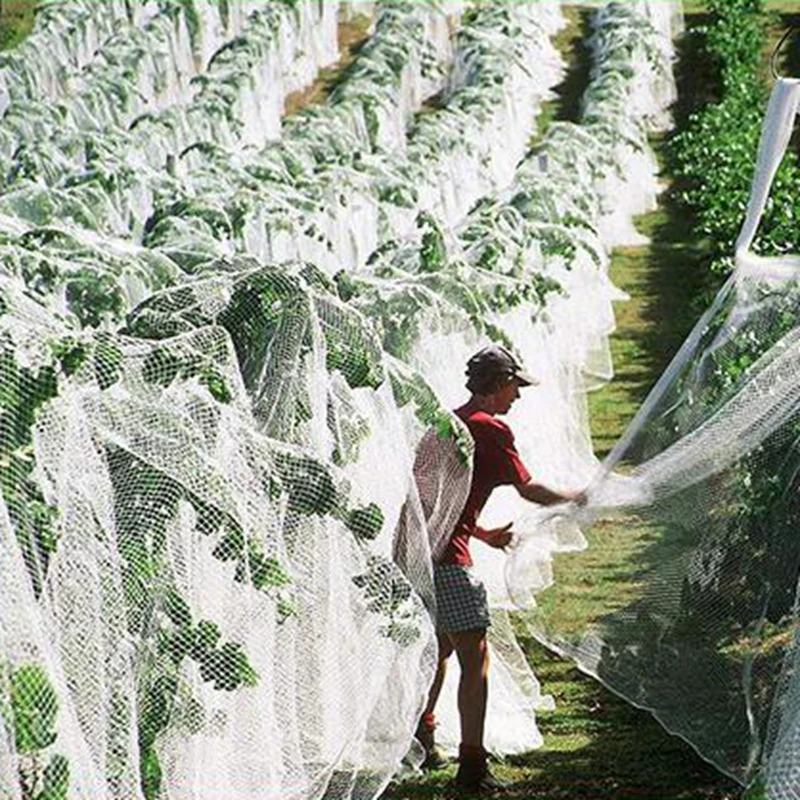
{"x": 445, "y": 646}
{"x": 472, "y": 649}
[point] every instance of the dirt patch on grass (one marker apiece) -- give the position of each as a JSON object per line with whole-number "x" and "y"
{"x": 352, "y": 36}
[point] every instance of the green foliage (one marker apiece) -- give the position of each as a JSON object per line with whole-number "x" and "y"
{"x": 163, "y": 365}
{"x": 309, "y": 484}
{"x": 192, "y": 20}
{"x": 737, "y": 598}
{"x": 252, "y": 565}
{"x": 34, "y": 707}
{"x": 150, "y": 771}
{"x": 413, "y": 389}
{"x": 107, "y": 360}
{"x": 387, "y": 592}
{"x": 227, "y": 668}
{"x": 70, "y": 354}
{"x": 757, "y": 791}
{"x": 346, "y": 286}
{"x": 267, "y": 305}
{"x": 146, "y": 501}
{"x": 103, "y": 351}
{"x": 349, "y": 428}
{"x": 433, "y": 251}
{"x": 399, "y": 311}
{"x": 216, "y": 385}
{"x": 202, "y": 216}
{"x": 399, "y": 194}
{"x": 266, "y": 573}
{"x": 33, "y": 712}
{"x": 367, "y": 522}
{"x": 94, "y": 297}
{"x": 764, "y": 516}
{"x": 716, "y": 154}
{"x": 22, "y": 394}
{"x": 558, "y": 243}
{"x": 357, "y": 359}
{"x": 55, "y": 779}
{"x": 717, "y": 157}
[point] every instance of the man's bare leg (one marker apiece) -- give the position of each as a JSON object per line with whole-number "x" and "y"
{"x": 473, "y": 771}
{"x": 445, "y": 651}
{"x": 473, "y": 688}
{"x": 427, "y": 724}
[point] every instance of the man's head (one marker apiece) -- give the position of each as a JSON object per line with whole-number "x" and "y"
{"x": 494, "y": 375}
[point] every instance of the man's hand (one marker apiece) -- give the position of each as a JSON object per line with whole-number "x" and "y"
{"x": 579, "y": 498}
{"x": 497, "y": 537}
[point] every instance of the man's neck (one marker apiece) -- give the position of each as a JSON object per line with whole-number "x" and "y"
{"x": 480, "y": 402}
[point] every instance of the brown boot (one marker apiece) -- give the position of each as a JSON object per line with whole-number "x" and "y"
{"x": 434, "y": 759}
{"x": 473, "y": 774}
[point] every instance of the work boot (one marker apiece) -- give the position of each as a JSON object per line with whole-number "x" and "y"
{"x": 473, "y": 774}
{"x": 434, "y": 759}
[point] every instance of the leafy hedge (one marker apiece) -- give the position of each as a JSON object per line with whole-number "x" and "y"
{"x": 716, "y": 153}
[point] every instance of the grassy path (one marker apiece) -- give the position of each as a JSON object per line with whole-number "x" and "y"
{"x": 595, "y": 744}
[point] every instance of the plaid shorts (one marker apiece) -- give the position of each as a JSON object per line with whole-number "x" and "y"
{"x": 461, "y": 603}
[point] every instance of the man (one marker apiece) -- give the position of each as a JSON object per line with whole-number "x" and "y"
{"x": 494, "y": 378}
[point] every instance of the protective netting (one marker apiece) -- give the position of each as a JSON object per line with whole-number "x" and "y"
{"x": 197, "y": 578}
{"x": 224, "y": 337}
{"x": 701, "y": 494}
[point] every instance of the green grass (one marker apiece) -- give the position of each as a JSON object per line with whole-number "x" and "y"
{"x": 668, "y": 285}
{"x": 565, "y": 104}
{"x": 16, "y": 21}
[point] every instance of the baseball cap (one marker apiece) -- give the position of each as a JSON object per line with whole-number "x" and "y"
{"x": 493, "y": 361}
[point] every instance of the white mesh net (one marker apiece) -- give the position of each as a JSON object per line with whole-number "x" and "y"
{"x": 220, "y": 607}
{"x": 229, "y": 343}
{"x": 705, "y": 483}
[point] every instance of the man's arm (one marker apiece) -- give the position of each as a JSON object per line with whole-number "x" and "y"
{"x": 495, "y": 537}
{"x": 537, "y": 493}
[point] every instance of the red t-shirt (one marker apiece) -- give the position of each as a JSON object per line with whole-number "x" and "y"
{"x": 496, "y": 463}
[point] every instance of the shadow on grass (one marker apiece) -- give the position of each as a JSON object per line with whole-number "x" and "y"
{"x": 569, "y": 93}
{"x": 620, "y": 753}
{"x": 596, "y": 746}
{"x": 565, "y": 104}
